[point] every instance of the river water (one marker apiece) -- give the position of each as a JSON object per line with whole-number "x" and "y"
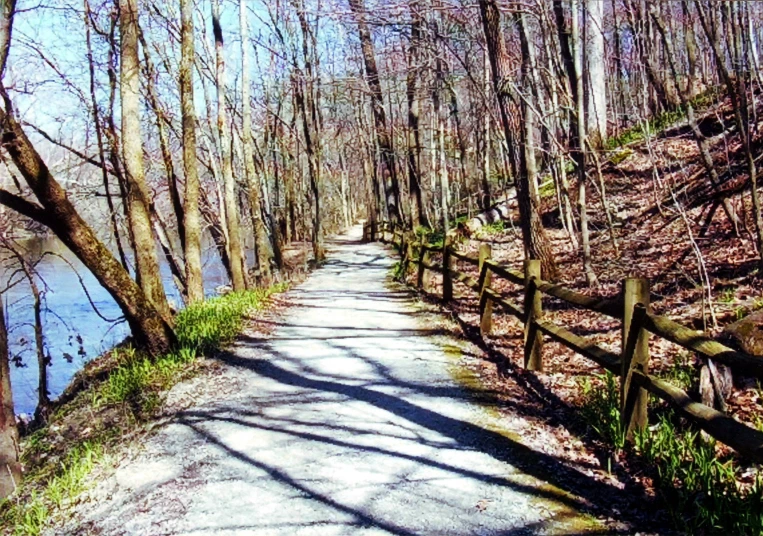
{"x": 74, "y": 333}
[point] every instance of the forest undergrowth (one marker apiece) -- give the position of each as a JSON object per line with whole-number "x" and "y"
{"x": 703, "y": 275}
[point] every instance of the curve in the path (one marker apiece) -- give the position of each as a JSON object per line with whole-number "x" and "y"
{"x": 344, "y": 421}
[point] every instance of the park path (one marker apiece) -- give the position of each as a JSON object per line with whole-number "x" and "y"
{"x": 345, "y": 420}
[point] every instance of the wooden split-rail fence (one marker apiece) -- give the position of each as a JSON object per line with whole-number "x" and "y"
{"x": 632, "y": 308}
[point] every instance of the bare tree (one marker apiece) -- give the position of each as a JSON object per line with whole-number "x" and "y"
{"x": 383, "y": 139}
{"x": 10, "y": 467}
{"x": 596, "y": 118}
{"x": 191, "y": 214}
{"x": 138, "y": 199}
{"x": 55, "y": 211}
{"x": 533, "y": 235}
{"x": 414, "y": 136}
{"x": 571, "y": 47}
{"x": 260, "y": 234}
{"x": 232, "y": 219}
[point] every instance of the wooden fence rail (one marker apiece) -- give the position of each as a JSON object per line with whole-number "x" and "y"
{"x": 632, "y": 308}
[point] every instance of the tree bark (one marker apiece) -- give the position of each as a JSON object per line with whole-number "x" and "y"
{"x": 486, "y": 145}
{"x": 305, "y": 99}
{"x": 414, "y": 136}
{"x": 596, "y": 62}
{"x": 10, "y": 467}
{"x": 175, "y": 261}
{"x": 442, "y": 162}
{"x": 191, "y": 213}
{"x": 573, "y": 65}
{"x": 146, "y": 261}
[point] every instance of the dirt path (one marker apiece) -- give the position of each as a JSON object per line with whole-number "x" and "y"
{"x": 345, "y": 420}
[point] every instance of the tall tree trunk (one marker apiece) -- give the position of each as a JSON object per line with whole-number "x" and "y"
{"x": 313, "y": 170}
{"x": 414, "y": 136}
{"x": 174, "y": 260}
{"x": 533, "y": 236}
{"x": 10, "y": 467}
{"x": 486, "y": 145}
{"x": 260, "y": 234}
{"x": 191, "y": 213}
{"x": 164, "y": 142}
{"x": 232, "y": 220}
{"x": 304, "y": 94}
{"x": 386, "y": 153}
{"x": 146, "y": 261}
{"x": 573, "y": 65}
{"x": 442, "y": 161}
{"x": 596, "y": 62}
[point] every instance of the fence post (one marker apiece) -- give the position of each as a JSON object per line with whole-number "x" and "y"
{"x": 635, "y": 356}
{"x": 447, "y": 278}
{"x": 407, "y": 256}
{"x": 533, "y": 312}
{"x": 422, "y": 281}
{"x": 486, "y": 304}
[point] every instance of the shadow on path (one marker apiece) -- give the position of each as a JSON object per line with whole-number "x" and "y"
{"x": 575, "y": 489}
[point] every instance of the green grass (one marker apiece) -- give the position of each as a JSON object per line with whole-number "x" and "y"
{"x": 682, "y": 372}
{"x": 620, "y": 156}
{"x": 139, "y": 379}
{"x": 727, "y": 295}
{"x": 660, "y": 122}
{"x": 641, "y": 130}
{"x": 30, "y": 516}
{"x": 746, "y": 310}
{"x": 547, "y": 189}
{"x": 601, "y": 408}
{"x": 58, "y": 468}
{"x": 495, "y": 228}
{"x": 433, "y": 237}
{"x": 201, "y": 328}
{"x": 396, "y": 271}
{"x": 208, "y": 325}
{"x": 700, "y": 490}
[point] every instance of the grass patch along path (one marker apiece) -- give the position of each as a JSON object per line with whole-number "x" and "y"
{"x": 343, "y": 419}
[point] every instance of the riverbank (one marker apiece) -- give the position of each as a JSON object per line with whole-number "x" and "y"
{"x": 121, "y": 396}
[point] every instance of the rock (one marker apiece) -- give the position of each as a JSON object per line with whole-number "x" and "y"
{"x": 222, "y": 290}
{"x": 746, "y": 334}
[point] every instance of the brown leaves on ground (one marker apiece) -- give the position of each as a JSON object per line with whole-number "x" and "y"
{"x": 659, "y": 198}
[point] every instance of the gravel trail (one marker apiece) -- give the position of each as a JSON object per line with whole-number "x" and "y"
{"x": 345, "y": 420}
